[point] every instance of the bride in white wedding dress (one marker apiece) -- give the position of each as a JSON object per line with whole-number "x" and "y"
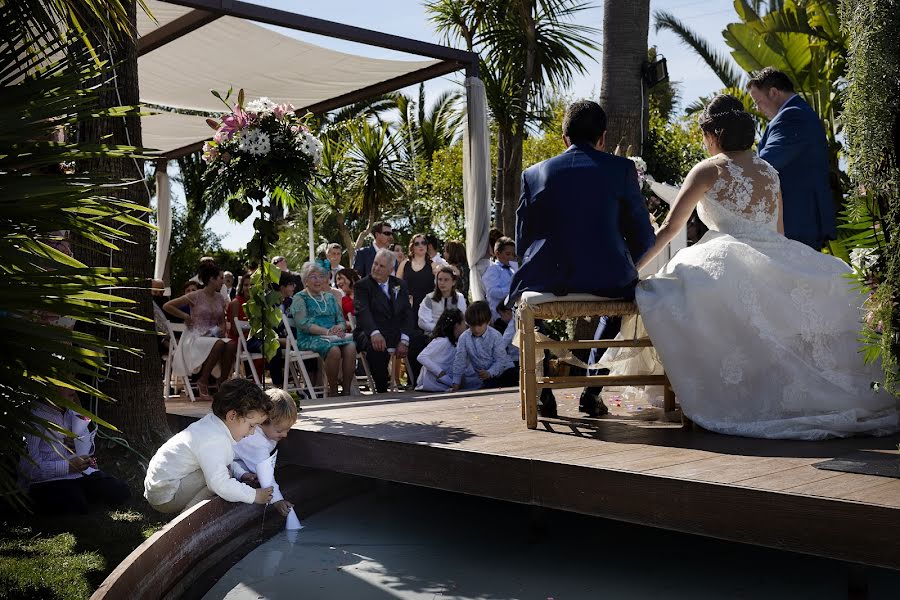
{"x": 758, "y": 333}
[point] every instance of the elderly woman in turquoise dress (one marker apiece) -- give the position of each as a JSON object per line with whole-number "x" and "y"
{"x": 320, "y": 328}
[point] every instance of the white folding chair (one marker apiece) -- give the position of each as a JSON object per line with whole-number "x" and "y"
{"x": 172, "y": 329}
{"x": 367, "y": 378}
{"x": 243, "y": 352}
{"x": 296, "y": 377}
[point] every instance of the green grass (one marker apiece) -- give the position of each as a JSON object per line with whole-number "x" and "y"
{"x": 68, "y": 557}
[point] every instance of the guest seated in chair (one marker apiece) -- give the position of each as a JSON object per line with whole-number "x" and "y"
{"x": 383, "y": 316}
{"x": 581, "y": 198}
{"x": 321, "y": 328}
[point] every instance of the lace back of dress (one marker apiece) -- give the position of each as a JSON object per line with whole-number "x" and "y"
{"x": 744, "y": 197}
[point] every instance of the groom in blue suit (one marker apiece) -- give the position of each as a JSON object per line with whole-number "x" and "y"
{"x": 794, "y": 143}
{"x": 582, "y": 223}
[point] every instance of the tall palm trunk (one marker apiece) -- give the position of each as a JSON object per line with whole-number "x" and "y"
{"x": 622, "y": 92}
{"x": 135, "y": 381}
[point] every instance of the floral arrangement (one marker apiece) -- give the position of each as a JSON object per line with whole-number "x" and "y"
{"x": 260, "y": 150}
{"x": 868, "y": 268}
{"x": 258, "y": 146}
{"x": 656, "y": 206}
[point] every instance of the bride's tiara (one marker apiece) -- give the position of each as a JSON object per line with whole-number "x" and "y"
{"x": 725, "y": 113}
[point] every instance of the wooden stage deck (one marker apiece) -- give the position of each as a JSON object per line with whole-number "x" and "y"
{"x": 657, "y": 474}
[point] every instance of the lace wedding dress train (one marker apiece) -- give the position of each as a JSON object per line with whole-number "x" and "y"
{"x": 758, "y": 333}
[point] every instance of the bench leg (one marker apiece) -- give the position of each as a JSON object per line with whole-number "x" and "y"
{"x": 668, "y": 397}
{"x": 529, "y": 382}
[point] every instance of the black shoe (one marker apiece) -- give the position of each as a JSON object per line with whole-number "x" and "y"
{"x": 592, "y": 405}
{"x": 547, "y": 404}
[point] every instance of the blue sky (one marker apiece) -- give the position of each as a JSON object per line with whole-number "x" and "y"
{"x": 408, "y": 18}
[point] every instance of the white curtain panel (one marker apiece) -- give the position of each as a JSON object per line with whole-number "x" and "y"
{"x": 163, "y": 221}
{"x": 476, "y": 183}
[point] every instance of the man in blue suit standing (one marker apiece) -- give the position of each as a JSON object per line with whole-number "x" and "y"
{"x": 383, "y": 235}
{"x": 794, "y": 143}
{"x": 582, "y": 222}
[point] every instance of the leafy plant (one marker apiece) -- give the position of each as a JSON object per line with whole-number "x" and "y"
{"x": 47, "y": 202}
{"x": 871, "y": 119}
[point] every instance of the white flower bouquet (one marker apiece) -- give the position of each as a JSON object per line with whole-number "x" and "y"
{"x": 258, "y": 146}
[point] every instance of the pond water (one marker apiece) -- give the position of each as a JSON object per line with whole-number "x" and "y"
{"x": 412, "y": 543}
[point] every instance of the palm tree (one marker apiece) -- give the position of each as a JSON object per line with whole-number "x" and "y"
{"x": 720, "y": 63}
{"x": 332, "y": 190}
{"x": 377, "y": 173}
{"x": 528, "y": 47}
{"x": 427, "y": 130}
{"x": 44, "y": 60}
{"x": 135, "y": 382}
{"x": 622, "y": 90}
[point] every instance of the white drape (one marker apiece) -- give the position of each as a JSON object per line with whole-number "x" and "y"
{"x": 163, "y": 219}
{"x": 476, "y": 183}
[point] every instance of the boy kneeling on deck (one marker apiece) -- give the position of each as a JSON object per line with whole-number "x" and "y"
{"x": 194, "y": 464}
{"x": 258, "y": 446}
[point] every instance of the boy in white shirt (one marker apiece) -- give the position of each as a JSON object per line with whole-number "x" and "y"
{"x": 498, "y": 276}
{"x": 258, "y": 446}
{"x": 194, "y": 464}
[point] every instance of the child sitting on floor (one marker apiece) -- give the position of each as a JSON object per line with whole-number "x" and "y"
{"x": 437, "y": 357}
{"x": 482, "y": 351}
{"x": 57, "y": 479}
{"x": 194, "y": 464}
{"x": 258, "y": 446}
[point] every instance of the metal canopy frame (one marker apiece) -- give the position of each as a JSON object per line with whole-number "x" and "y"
{"x": 207, "y": 11}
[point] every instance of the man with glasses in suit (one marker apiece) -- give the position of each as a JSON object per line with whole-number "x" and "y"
{"x": 384, "y": 238}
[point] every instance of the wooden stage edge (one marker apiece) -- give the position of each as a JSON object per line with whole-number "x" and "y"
{"x": 762, "y": 492}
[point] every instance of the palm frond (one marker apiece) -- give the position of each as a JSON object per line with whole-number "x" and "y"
{"x": 44, "y": 291}
{"x": 720, "y": 63}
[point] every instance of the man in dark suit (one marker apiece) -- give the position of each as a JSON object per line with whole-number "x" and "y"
{"x": 581, "y": 224}
{"x": 383, "y": 316}
{"x": 384, "y": 238}
{"x": 794, "y": 143}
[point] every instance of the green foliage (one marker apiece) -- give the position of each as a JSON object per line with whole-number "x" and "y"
{"x": 42, "y": 93}
{"x": 672, "y": 146}
{"x": 871, "y": 120}
{"x": 439, "y": 195}
{"x": 262, "y": 307}
{"x": 549, "y": 141}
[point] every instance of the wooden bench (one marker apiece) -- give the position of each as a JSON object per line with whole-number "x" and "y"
{"x": 547, "y": 306}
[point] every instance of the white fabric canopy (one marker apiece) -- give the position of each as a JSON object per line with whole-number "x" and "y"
{"x": 234, "y": 53}
{"x": 476, "y": 183}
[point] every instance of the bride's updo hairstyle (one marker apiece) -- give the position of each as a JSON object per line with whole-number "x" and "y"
{"x": 726, "y": 119}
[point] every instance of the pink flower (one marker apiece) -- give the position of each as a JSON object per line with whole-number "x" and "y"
{"x": 234, "y": 122}
{"x": 282, "y": 109}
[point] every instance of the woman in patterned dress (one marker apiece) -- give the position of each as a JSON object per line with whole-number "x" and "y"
{"x": 320, "y": 327}
{"x": 203, "y": 347}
